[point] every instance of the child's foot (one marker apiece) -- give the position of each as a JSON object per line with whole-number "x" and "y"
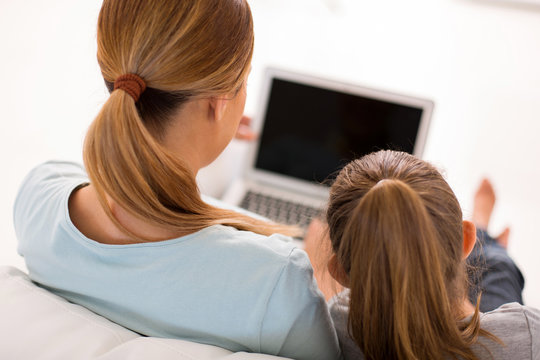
{"x": 484, "y": 201}
{"x": 502, "y": 239}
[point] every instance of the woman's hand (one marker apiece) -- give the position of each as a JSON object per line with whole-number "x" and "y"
{"x": 244, "y": 131}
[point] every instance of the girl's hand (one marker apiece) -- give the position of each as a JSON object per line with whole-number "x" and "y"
{"x": 244, "y": 131}
{"x": 319, "y": 249}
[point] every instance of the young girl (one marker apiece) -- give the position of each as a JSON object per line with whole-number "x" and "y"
{"x": 128, "y": 236}
{"x": 399, "y": 246}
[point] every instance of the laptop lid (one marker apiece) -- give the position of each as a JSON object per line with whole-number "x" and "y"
{"x": 309, "y": 128}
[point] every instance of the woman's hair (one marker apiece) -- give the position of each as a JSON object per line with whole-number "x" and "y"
{"x": 396, "y": 228}
{"x": 183, "y": 49}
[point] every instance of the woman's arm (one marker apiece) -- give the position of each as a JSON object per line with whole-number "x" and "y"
{"x": 297, "y": 322}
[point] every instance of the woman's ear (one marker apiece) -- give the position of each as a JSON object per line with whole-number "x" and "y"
{"x": 216, "y": 108}
{"x": 469, "y": 237}
{"x": 337, "y": 272}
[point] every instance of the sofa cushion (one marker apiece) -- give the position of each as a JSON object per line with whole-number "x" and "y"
{"x": 36, "y": 324}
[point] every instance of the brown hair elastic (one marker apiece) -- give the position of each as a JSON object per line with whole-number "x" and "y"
{"x": 133, "y": 84}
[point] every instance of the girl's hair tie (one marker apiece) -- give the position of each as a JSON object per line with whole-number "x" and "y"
{"x": 133, "y": 84}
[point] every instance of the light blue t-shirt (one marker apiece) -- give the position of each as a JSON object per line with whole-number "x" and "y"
{"x": 221, "y": 286}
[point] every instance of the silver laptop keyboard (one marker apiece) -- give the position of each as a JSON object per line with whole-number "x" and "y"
{"x": 279, "y": 210}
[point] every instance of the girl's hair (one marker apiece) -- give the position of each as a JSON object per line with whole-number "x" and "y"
{"x": 396, "y": 228}
{"x": 183, "y": 49}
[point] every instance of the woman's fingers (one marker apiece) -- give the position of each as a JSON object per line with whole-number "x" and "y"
{"x": 244, "y": 131}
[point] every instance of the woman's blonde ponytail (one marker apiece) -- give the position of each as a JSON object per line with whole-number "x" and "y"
{"x": 183, "y": 50}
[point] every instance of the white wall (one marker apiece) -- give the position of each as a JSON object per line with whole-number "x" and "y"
{"x": 477, "y": 60}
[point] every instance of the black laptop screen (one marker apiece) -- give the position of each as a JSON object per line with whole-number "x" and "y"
{"x": 309, "y": 132}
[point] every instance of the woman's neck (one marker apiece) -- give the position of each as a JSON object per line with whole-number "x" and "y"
{"x": 91, "y": 220}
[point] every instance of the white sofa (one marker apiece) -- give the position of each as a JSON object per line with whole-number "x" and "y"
{"x": 36, "y": 324}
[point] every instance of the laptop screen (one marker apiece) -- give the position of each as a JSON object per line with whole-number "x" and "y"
{"x": 311, "y": 132}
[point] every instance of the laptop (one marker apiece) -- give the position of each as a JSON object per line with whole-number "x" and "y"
{"x": 309, "y": 128}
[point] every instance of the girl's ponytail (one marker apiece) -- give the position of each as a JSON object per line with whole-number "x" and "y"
{"x": 396, "y": 228}
{"x": 396, "y": 311}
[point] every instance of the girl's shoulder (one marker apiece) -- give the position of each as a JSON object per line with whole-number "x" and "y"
{"x": 517, "y": 326}
{"x": 511, "y": 316}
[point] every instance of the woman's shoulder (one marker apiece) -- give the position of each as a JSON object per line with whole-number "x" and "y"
{"x": 274, "y": 246}
{"x": 48, "y": 177}
{"x": 54, "y": 170}
{"x": 517, "y": 326}
{"x": 44, "y": 190}
{"x": 278, "y": 249}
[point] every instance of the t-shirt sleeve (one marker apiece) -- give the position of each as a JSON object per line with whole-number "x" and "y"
{"x": 297, "y": 305}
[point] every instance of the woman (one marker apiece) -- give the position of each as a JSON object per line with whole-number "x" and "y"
{"x": 129, "y": 236}
{"x": 400, "y": 246}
